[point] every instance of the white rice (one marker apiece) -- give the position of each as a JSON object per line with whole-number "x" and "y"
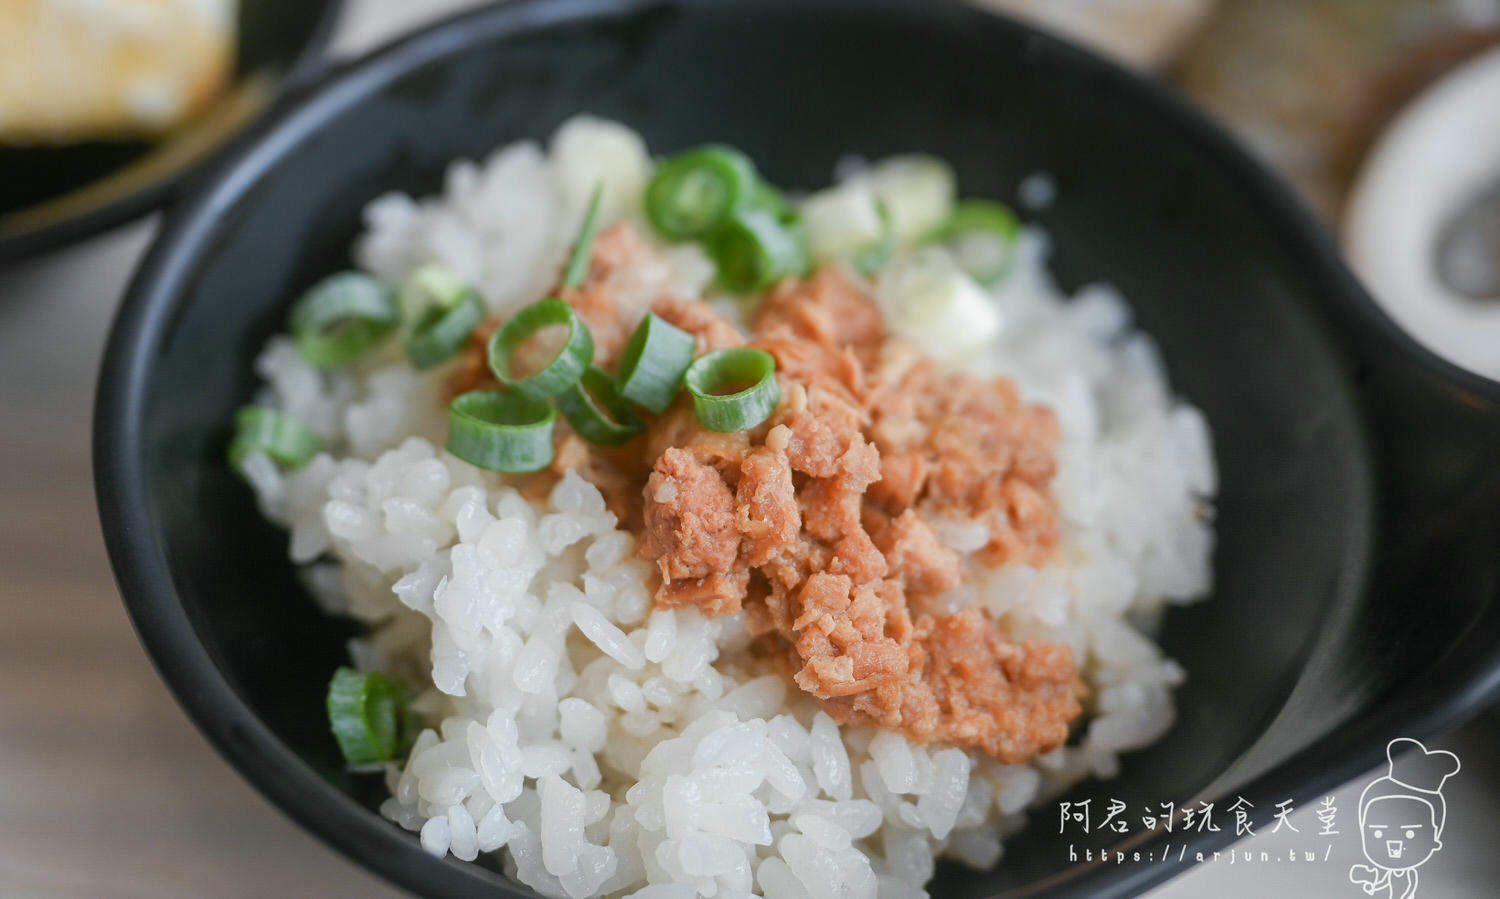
{"x": 607, "y": 749}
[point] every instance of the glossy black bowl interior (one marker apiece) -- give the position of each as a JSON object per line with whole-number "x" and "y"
{"x": 1357, "y": 524}
{"x": 55, "y": 193}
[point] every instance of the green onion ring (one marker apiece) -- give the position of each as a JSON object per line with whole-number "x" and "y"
{"x": 564, "y": 369}
{"x": 766, "y": 196}
{"x": 754, "y": 249}
{"x": 869, "y": 259}
{"x": 578, "y": 262}
{"x": 260, "y": 429}
{"x": 442, "y": 330}
{"x": 653, "y": 362}
{"x": 773, "y": 201}
{"x": 342, "y": 317}
{"x": 692, "y": 192}
{"x": 597, "y": 411}
{"x": 721, "y": 369}
{"x": 982, "y": 235}
{"x": 368, "y": 716}
{"x": 428, "y": 286}
{"x": 501, "y": 430}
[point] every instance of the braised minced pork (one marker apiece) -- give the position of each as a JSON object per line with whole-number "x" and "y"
{"x": 818, "y": 524}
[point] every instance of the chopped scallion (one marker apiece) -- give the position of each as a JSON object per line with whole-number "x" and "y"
{"x": 287, "y": 441}
{"x": 918, "y": 190}
{"x": 733, "y": 389}
{"x": 596, "y": 410}
{"x": 368, "y": 716}
{"x": 869, "y": 260}
{"x": 693, "y": 192}
{"x": 654, "y": 360}
{"x": 754, "y": 249}
{"x": 563, "y": 369}
{"x": 342, "y": 317}
{"x": 428, "y": 286}
{"x": 981, "y": 234}
{"x": 766, "y": 196}
{"x": 442, "y": 330}
{"x": 578, "y": 262}
{"x": 501, "y": 430}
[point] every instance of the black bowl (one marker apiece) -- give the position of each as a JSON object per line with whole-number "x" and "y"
{"x": 1360, "y": 509}
{"x": 55, "y": 194}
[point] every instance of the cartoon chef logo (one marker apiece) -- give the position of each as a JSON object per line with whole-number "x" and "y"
{"x": 1401, "y": 818}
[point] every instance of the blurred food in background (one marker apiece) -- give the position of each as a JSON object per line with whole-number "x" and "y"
{"x": 74, "y": 70}
{"x": 1144, "y": 33}
{"x": 1384, "y": 114}
{"x": 1313, "y": 87}
{"x": 1422, "y": 226}
{"x": 1309, "y": 85}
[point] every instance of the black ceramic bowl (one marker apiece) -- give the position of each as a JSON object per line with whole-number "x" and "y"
{"x": 53, "y": 194}
{"x": 1360, "y": 510}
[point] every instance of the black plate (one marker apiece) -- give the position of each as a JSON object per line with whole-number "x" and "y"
{"x": 52, "y": 195}
{"x": 1360, "y": 508}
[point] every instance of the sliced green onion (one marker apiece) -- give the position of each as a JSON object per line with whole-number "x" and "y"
{"x": 981, "y": 234}
{"x": 754, "y": 249}
{"x": 342, "y": 317}
{"x": 368, "y": 716}
{"x": 442, "y": 330}
{"x": 842, "y": 221}
{"x": 773, "y": 201}
{"x": 578, "y": 263}
{"x": 596, "y": 410}
{"x": 563, "y": 369}
{"x": 918, "y": 190}
{"x": 501, "y": 430}
{"x": 800, "y": 261}
{"x": 258, "y": 429}
{"x": 766, "y": 196}
{"x": 934, "y": 304}
{"x": 869, "y": 260}
{"x": 653, "y": 363}
{"x": 692, "y": 192}
{"x": 733, "y": 389}
{"x": 428, "y": 286}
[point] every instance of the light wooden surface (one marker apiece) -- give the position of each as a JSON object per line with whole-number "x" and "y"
{"x": 107, "y": 790}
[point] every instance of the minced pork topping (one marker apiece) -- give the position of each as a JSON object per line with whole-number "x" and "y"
{"x": 819, "y": 524}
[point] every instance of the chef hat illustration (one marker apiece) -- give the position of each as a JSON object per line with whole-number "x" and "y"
{"x": 1416, "y": 773}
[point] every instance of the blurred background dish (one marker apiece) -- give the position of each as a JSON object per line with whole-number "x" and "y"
{"x": 109, "y": 70}
{"x": 1143, "y": 33}
{"x": 1310, "y": 85}
{"x": 1383, "y": 114}
{"x": 105, "y": 106}
{"x": 1423, "y": 222}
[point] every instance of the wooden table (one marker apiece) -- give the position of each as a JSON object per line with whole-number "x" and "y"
{"x": 106, "y": 789}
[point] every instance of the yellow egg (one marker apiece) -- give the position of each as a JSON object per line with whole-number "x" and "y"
{"x": 81, "y": 69}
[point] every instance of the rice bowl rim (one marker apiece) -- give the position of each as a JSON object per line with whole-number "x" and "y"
{"x": 185, "y": 243}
